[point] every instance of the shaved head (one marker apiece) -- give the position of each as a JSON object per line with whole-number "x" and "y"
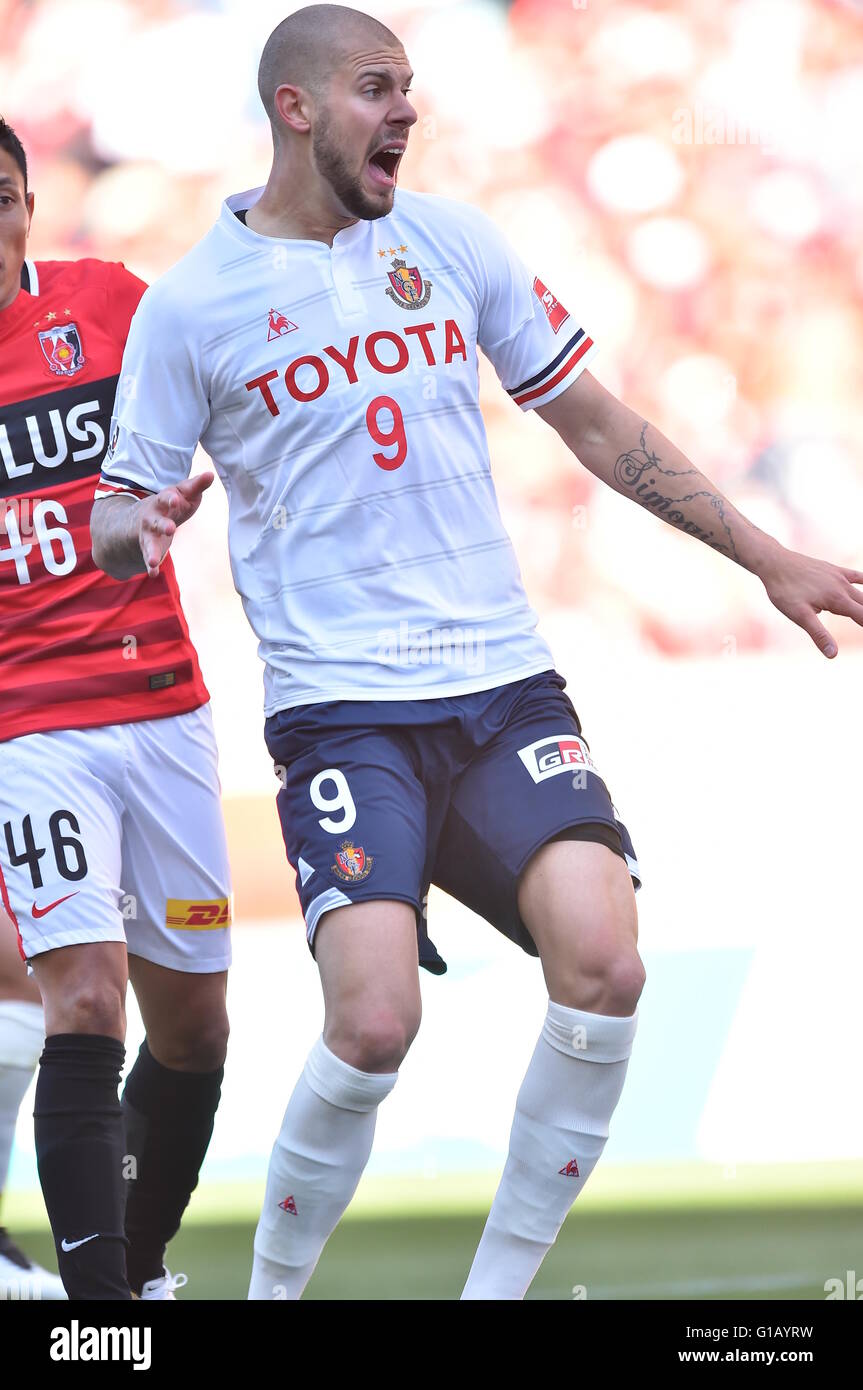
{"x": 307, "y": 48}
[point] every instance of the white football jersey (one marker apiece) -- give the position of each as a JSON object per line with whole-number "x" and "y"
{"x": 336, "y": 392}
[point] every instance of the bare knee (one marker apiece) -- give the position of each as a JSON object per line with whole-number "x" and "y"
{"x": 621, "y": 981}
{"x": 197, "y": 1042}
{"x": 84, "y": 988}
{"x": 606, "y": 978}
{"x": 367, "y": 956}
{"x": 372, "y": 1039}
{"x": 87, "y": 1006}
{"x": 591, "y": 961}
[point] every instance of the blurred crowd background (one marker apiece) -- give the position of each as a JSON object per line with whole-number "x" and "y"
{"x": 687, "y": 178}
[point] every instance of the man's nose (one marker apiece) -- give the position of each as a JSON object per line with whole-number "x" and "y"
{"x": 402, "y": 112}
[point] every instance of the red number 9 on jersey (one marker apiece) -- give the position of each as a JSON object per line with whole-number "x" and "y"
{"x": 387, "y": 437}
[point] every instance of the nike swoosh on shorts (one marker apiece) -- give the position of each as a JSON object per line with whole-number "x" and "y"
{"x": 42, "y": 911}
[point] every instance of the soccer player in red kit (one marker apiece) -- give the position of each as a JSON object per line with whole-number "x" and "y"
{"x": 113, "y": 862}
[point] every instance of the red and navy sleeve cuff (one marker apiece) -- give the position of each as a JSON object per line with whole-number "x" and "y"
{"x": 551, "y": 380}
{"x": 120, "y": 487}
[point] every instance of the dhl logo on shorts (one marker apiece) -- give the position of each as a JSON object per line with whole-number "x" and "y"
{"x": 191, "y": 914}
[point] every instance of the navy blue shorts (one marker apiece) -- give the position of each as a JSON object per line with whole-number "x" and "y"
{"x": 381, "y": 798}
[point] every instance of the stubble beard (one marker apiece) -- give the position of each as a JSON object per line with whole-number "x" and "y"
{"x": 346, "y": 185}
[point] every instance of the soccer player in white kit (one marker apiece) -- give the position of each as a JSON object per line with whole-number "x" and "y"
{"x": 321, "y": 343}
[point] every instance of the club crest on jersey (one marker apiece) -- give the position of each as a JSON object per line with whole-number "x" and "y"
{"x": 61, "y": 348}
{"x": 407, "y": 287}
{"x": 278, "y": 326}
{"x": 554, "y": 310}
{"x": 352, "y": 863}
{"x": 556, "y": 753}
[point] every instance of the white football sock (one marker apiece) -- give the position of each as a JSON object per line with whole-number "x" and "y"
{"x": 22, "y": 1034}
{"x": 316, "y": 1164}
{"x": 561, "y": 1121}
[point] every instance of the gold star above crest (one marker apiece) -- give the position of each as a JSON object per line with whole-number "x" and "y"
{"x": 50, "y": 316}
{"x": 382, "y": 253}
{"x": 391, "y": 250}
{"x": 403, "y": 248}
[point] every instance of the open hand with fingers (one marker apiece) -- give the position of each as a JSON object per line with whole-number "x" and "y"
{"x": 802, "y": 587}
{"x": 160, "y": 515}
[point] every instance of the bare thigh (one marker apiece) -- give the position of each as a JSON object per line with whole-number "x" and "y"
{"x": 367, "y": 957}
{"x": 577, "y": 901}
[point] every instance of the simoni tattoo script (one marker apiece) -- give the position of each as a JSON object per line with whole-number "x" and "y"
{"x": 638, "y": 471}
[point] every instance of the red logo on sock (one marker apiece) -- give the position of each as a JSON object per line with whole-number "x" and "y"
{"x": 570, "y": 1171}
{"x": 289, "y": 1205}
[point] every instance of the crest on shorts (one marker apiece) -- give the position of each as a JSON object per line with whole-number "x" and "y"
{"x": 352, "y": 863}
{"x": 407, "y": 287}
{"x": 61, "y": 348}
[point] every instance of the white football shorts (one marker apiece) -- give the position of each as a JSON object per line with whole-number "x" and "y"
{"x": 116, "y": 834}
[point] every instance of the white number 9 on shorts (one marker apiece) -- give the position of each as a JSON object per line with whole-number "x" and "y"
{"x": 342, "y": 801}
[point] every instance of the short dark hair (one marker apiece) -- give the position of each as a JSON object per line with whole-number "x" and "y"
{"x": 12, "y": 145}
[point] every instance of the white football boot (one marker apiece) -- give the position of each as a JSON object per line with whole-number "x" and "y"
{"x": 163, "y": 1288}
{"x": 23, "y": 1280}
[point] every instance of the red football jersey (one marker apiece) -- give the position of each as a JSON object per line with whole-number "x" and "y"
{"x": 76, "y": 648}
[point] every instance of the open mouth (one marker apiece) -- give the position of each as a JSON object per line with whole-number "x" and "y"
{"x": 383, "y": 165}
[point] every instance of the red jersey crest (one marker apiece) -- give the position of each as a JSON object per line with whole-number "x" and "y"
{"x": 61, "y": 348}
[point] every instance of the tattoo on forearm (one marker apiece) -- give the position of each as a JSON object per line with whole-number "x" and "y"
{"x": 630, "y": 470}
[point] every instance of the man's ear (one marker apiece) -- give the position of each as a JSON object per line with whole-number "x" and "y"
{"x": 31, "y": 203}
{"x": 293, "y": 106}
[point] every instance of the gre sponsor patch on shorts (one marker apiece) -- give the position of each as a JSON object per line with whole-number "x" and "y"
{"x": 195, "y": 914}
{"x": 556, "y": 753}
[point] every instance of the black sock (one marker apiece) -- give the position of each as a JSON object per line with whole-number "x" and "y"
{"x": 79, "y": 1152}
{"x": 169, "y": 1121}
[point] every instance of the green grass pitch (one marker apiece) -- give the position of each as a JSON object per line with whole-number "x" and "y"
{"x": 672, "y": 1233}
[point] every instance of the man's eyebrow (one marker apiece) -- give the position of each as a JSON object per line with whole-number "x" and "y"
{"x": 7, "y": 178}
{"x": 382, "y": 74}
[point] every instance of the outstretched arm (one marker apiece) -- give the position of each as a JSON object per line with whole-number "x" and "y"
{"x": 633, "y": 458}
{"x": 132, "y": 536}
